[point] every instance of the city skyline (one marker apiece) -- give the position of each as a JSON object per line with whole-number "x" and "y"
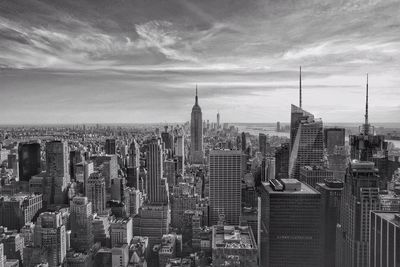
{"x": 91, "y": 63}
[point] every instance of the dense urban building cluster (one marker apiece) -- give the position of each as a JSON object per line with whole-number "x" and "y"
{"x": 199, "y": 194}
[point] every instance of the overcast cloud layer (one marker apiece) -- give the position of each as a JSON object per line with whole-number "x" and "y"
{"x": 138, "y": 61}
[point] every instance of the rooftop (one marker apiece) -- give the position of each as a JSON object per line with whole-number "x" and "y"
{"x": 233, "y": 237}
{"x": 391, "y": 216}
{"x": 290, "y": 186}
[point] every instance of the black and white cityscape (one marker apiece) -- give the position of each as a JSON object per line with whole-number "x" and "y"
{"x": 188, "y": 133}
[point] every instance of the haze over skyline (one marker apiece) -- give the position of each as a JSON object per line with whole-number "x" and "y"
{"x": 139, "y": 61}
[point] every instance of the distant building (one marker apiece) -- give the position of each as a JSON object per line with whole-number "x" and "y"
{"x": 262, "y": 142}
{"x": 78, "y": 259}
{"x": 110, "y": 147}
{"x": 120, "y": 255}
{"x": 168, "y": 139}
{"x": 157, "y": 190}
{"x": 29, "y": 160}
{"x": 334, "y": 137}
{"x": 167, "y": 249}
{"x": 291, "y": 216}
{"x": 384, "y": 239}
{"x": 282, "y": 161}
{"x": 13, "y": 244}
{"x": 57, "y": 170}
{"x": 234, "y": 246}
{"x": 226, "y": 173}
{"x": 196, "y": 134}
{"x": 96, "y": 192}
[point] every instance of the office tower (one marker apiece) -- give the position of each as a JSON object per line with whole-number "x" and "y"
{"x": 312, "y": 175}
{"x": 118, "y": 186}
{"x": 57, "y": 170}
{"x": 180, "y": 154}
{"x": 218, "y": 121}
{"x": 337, "y": 163}
{"x": 110, "y": 147}
{"x": 101, "y": 230}
{"x": 243, "y": 142}
{"x": 167, "y": 138}
{"x": 96, "y": 192}
{"x": 12, "y": 163}
{"x": 226, "y": 172}
{"x": 50, "y": 233}
{"x": 385, "y": 239}
{"x": 291, "y": 224}
{"x": 262, "y": 141}
{"x": 29, "y": 160}
{"x": 81, "y": 224}
{"x": 170, "y": 172}
{"x": 156, "y": 185}
{"x": 278, "y": 126}
{"x": 108, "y": 166}
{"x": 366, "y": 143}
{"x": 196, "y": 134}
{"x": 270, "y": 171}
{"x": 360, "y": 195}
{"x": 180, "y": 202}
{"x": 282, "y": 161}
{"x": 152, "y": 221}
{"x": 234, "y": 246}
{"x": 121, "y": 231}
{"x": 331, "y": 192}
{"x": 120, "y": 255}
{"x": 134, "y": 154}
{"x": 18, "y": 209}
{"x": 75, "y": 157}
{"x": 134, "y": 200}
{"x": 13, "y": 248}
{"x": 334, "y": 137}
{"x": 307, "y": 143}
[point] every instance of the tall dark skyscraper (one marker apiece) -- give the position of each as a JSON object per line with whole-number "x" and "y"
{"x": 196, "y": 134}
{"x": 156, "y": 188}
{"x": 282, "y": 161}
{"x": 218, "y": 121}
{"x": 29, "y": 160}
{"x": 110, "y": 147}
{"x": 244, "y": 142}
{"x": 262, "y": 142}
{"x": 168, "y": 139}
{"x": 291, "y": 224}
{"x": 226, "y": 171}
{"x": 331, "y": 192}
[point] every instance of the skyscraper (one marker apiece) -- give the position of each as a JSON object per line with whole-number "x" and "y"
{"x": 366, "y": 143}
{"x": 29, "y": 160}
{"x": 291, "y": 224}
{"x": 50, "y": 233}
{"x": 218, "y": 121}
{"x": 244, "y": 142}
{"x": 168, "y": 139}
{"x": 81, "y": 219}
{"x": 262, "y": 141}
{"x": 282, "y": 161}
{"x": 385, "y": 239}
{"x": 306, "y": 141}
{"x": 360, "y": 195}
{"x": 226, "y": 171}
{"x": 334, "y": 137}
{"x": 196, "y": 134}
{"x": 331, "y": 192}
{"x": 110, "y": 147}
{"x": 157, "y": 186}
{"x": 57, "y": 170}
{"x": 96, "y": 192}
{"x": 180, "y": 154}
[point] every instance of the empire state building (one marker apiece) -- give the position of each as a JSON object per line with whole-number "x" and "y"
{"x": 196, "y": 134}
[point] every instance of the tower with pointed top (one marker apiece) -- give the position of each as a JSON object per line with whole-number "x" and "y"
{"x": 196, "y": 134}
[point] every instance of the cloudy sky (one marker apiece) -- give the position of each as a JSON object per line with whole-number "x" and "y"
{"x": 73, "y": 61}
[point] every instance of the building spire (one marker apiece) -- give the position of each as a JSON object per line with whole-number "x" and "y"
{"x": 196, "y": 95}
{"x": 366, "y": 124}
{"x": 300, "y": 96}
